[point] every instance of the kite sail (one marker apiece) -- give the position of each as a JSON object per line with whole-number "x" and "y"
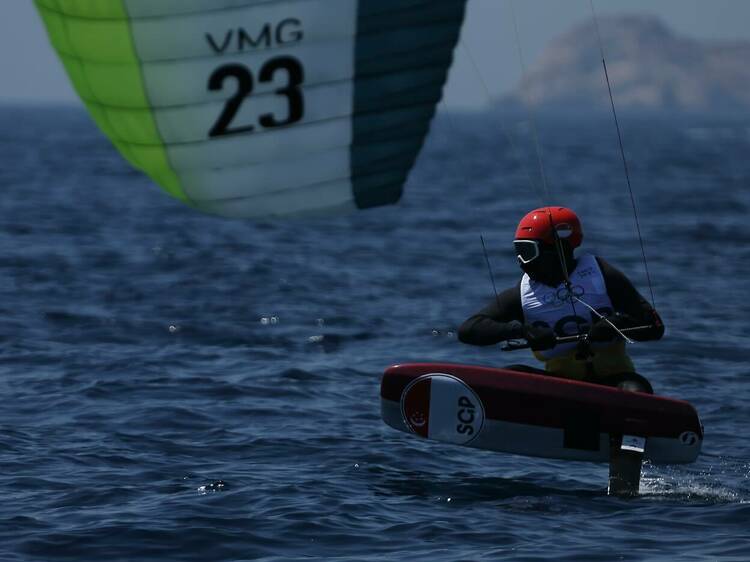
{"x": 260, "y": 108}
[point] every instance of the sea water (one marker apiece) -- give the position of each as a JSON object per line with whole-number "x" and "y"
{"x": 183, "y": 387}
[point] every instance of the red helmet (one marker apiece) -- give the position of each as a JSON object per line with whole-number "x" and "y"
{"x": 537, "y": 225}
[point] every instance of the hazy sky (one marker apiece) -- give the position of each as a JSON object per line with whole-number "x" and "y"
{"x": 31, "y": 72}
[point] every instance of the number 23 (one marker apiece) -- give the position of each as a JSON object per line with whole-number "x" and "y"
{"x": 243, "y": 75}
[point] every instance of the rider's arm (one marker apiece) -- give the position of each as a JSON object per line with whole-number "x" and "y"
{"x": 500, "y": 320}
{"x": 626, "y": 300}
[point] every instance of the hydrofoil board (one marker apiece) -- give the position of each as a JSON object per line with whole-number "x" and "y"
{"x": 535, "y": 415}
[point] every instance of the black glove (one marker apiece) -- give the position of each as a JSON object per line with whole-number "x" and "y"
{"x": 602, "y": 331}
{"x": 539, "y": 337}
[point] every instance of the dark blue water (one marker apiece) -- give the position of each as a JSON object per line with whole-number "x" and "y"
{"x": 182, "y": 387}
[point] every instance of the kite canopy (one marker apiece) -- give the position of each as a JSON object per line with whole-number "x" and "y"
{"x": 259, "y": 108}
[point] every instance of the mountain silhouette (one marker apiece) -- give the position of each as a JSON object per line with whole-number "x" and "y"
{"x": 650, "y": 68}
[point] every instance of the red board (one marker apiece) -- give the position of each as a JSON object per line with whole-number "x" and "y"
{"x": 497, "y": 409}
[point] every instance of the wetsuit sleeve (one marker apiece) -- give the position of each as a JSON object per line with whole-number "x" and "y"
{"x": 627, "y": 301}
{"x": 500, "y": 320}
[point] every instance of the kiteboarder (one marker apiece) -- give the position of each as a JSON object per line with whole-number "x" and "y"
{"x": 563, "y": 295}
